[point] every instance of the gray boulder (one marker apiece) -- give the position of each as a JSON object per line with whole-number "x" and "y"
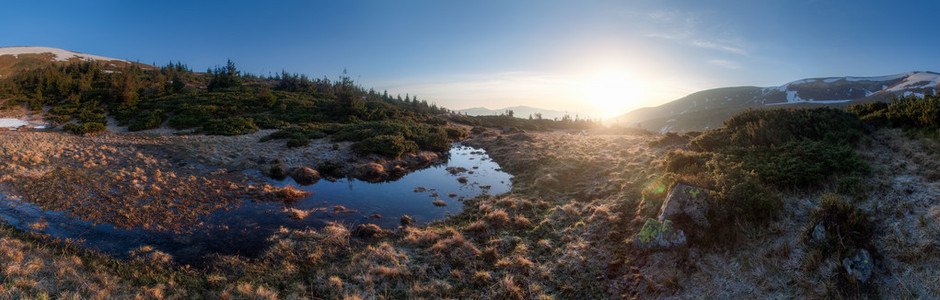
{"x": 860, "y": 265}
{"x": 686, "y": 200}
{"x": 658, "y": 235}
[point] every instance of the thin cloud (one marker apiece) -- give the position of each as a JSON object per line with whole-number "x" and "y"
{"x": 727, "y": 64}
{"x": 717, "y": 46}
{"x": 683, "y": 28}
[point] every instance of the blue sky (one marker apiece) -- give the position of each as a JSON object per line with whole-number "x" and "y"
{"x": 594, "y": 57}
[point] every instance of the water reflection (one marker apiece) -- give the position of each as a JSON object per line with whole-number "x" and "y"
{"x": 243, "y": 229}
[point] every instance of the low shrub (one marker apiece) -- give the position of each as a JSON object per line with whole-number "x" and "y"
{"x": 298, "y": 142}
{"x": 385, "y": 145}
{"x": 230, "y": 126}
{"x": 331, "y": 169}
{"x": 785, "y": 148}
{"x": 85, "y": 128}
{"x": 455, "y": 133}
{"x": 908, "y": 112}
{"x": 148, "y": 120}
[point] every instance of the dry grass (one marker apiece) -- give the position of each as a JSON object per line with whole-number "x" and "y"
{"x": 560, "y": 233}
{"x": 126, "y": 181}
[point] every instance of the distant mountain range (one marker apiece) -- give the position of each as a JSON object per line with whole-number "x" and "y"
{"x": 15, "y": 59}
{"x": 520, "y": 112}
{"x": 709, "y": 108}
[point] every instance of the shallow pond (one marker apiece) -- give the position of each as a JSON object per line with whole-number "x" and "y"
{"x": 243, "y": 229}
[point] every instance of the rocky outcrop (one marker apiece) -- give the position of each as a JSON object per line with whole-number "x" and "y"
{"x": 658, "y": 235}
{"x": 689, "y": 201}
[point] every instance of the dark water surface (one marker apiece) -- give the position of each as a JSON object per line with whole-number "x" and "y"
{"x": 244, "y": 229}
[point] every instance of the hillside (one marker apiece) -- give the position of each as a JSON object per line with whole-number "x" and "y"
{"x": 707, "y": 109}
{"x": 17, "y": 59}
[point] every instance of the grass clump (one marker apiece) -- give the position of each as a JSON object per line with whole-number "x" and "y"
{"x": 847, "y": 227}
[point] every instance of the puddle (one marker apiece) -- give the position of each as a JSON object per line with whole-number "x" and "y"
{"x": 243, "y": 229}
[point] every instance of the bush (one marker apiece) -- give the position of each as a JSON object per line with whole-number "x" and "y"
{"x": 85, "y": 128}
{"x": 455, "y": 133}
{"x": 298, "y": 142}
{"x": 269, "y": 123}
{"x": 148, "y": 120}
{"x": 478, "y": 129}
{"x": 330, "y": 169}
{"x": 230, "y": 126}
{"x": 783, "y": 148}
{"x": 789, "y": 147}
{"x": 385, "y": 145}
{"x": 908, "y": 112}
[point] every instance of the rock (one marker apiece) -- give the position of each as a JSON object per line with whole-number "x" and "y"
{"x": 658, "y": 235}
{"x": 860, "y": 265}
{"x": 818, "y": 236}
{"x": 305, "y": 175}
{"x": 686, "y": 200}
{"x": 278, "y": 171}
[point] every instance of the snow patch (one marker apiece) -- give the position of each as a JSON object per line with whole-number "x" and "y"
{"x": 60, "y": 55}
{"x": 12, "y": 124}
{"x": 917, "y": 80}
{"x": 793, "y": 97}
{"x": 814, "y": 101}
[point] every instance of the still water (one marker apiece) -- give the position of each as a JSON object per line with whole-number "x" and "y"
{"x": 243, "y": 229}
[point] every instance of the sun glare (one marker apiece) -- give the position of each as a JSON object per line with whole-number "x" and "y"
{"x": 611, "y": 92}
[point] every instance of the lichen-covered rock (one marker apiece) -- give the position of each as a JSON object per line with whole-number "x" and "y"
{"x": 305, "y": 175}
{"x": 859, "y": 266}
{"x": 658, "y": 235}
{"x": 686, "y": 200}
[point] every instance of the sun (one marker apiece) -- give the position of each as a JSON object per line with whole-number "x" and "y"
{"x": 611, "y": 92}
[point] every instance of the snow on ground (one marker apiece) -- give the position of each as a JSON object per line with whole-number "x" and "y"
{"x": 879, "y": 78}
{"x": 12, "y": 124}
{"x": 813, "y": 101}
{"x": 914, "y": 81}
{"x": 60, "y": 55}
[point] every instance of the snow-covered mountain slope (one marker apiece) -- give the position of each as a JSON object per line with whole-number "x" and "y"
{"x": 58, "y": 54}
{"x": 709, "y": 108}
{"x": 16, "y": 59}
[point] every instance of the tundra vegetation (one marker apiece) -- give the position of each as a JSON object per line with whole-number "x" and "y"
{"x": 565, "y": 230}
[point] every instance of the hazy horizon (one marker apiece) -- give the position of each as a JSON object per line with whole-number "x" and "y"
{"x": 600, "y": 58}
